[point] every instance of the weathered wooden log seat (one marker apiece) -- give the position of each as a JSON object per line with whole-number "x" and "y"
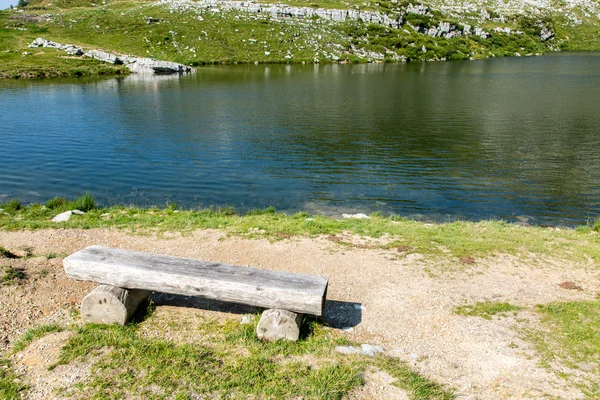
{"x": 128, "y": 277}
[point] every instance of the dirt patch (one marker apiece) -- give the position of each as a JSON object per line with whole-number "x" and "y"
{"x": 34, "y": 363}
{"x": 570, "y": 286}
{"x": 404, "y": 303}
{"x": 378, "y": 385}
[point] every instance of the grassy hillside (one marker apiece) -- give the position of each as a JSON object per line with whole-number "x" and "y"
{"x": 194, "y": 35}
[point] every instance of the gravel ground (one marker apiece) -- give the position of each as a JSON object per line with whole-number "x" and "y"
{"x": 403, "y": 302}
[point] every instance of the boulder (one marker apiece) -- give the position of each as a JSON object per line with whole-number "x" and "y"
{"x": 63, "y": 217}
{"x": 103, "y": 56}
{"x": 73, "y": 50}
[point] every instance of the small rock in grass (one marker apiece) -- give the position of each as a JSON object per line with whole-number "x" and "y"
{"x": 365, "y": 350}
{"x": 246, "y": 319}
{"x": 63, "y": 217}
{"x": 356, "y": 216}
{"x": 370, "y": 350}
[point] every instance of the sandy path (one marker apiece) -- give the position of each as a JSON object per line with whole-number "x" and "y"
{"x": 404, "y": 303}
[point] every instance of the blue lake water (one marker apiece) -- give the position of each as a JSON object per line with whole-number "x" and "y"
{"x": 514, "y": 139}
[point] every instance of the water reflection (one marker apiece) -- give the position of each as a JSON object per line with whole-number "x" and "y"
{"x": 497, "y": 138}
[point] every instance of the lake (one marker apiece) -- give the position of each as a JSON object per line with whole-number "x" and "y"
{"x": 515, "y": 139}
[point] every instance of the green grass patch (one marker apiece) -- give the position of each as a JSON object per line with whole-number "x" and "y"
{"x": 419, "y": 386}
{"x": 12, "y": 275}
{"x": 11, "y": 205}
{"x": 570, "y": 337}
{"x": 10, "y": 387}
{"x": 34, "y": 334}
{"x": 84, "y": 203}
{"x": 461, "y": 239}
{"x": 487, "y": 309}
{"x": 238, "y": 37}
{"x": 233, "y": 363}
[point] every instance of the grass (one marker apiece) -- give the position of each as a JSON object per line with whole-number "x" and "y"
{"x": 19, "y": 61}
{"x": 34, "y": 334}
{"x": 10, "y": 387}
{"x": 232, "y": 363}
{"x": 11, "y": 205}
{"x": 569, "y": 342}
{"x": 12, "y": 275}
{"x": 459, "y": 239}
{"x": 236, "y": 37}
{"x": 487, "y": 309}
{"x": 421, "y": 387}
{"x": 84, "y": 203}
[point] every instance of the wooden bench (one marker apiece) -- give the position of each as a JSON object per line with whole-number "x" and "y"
{"x": 128, "y": 277}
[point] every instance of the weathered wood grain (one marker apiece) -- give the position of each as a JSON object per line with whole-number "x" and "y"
{"x": 277, "y": 325}
{"x": 257, "y": 287}
{"x": 111, "y": 305}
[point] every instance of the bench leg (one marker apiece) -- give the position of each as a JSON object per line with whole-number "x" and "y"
{"x": 111, "y": 305}
{"x": 279, "y": 324}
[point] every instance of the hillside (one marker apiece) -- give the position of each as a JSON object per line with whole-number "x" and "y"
{"x": 222, "y": 31}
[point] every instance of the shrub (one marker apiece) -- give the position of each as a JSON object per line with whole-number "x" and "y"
{"x": 84, "y": 203}
{"x": 258, "y": 211}
{"x": 12, "y": 205}
{"x": 56, "y": 202}
{"x": 227, "y": 211}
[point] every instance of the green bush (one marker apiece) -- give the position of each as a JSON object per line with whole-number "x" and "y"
{"x": 263, "y": 211}
{"x": 12, "y": 205}
{"x": 56, "y": 202}
{"x": 84, "y": 203}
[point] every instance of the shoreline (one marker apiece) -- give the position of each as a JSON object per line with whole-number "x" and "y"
{"x": 34, "y": 74}
{"x": 458, "y": 238}
{"x": 210, "y": 32}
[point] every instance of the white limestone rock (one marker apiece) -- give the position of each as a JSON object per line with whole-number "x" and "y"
{"x": 356, "y": 216}
{"x": 63, "y": 217}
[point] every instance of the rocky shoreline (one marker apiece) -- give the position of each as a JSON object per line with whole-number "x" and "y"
{"x": 137, "y": 65}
